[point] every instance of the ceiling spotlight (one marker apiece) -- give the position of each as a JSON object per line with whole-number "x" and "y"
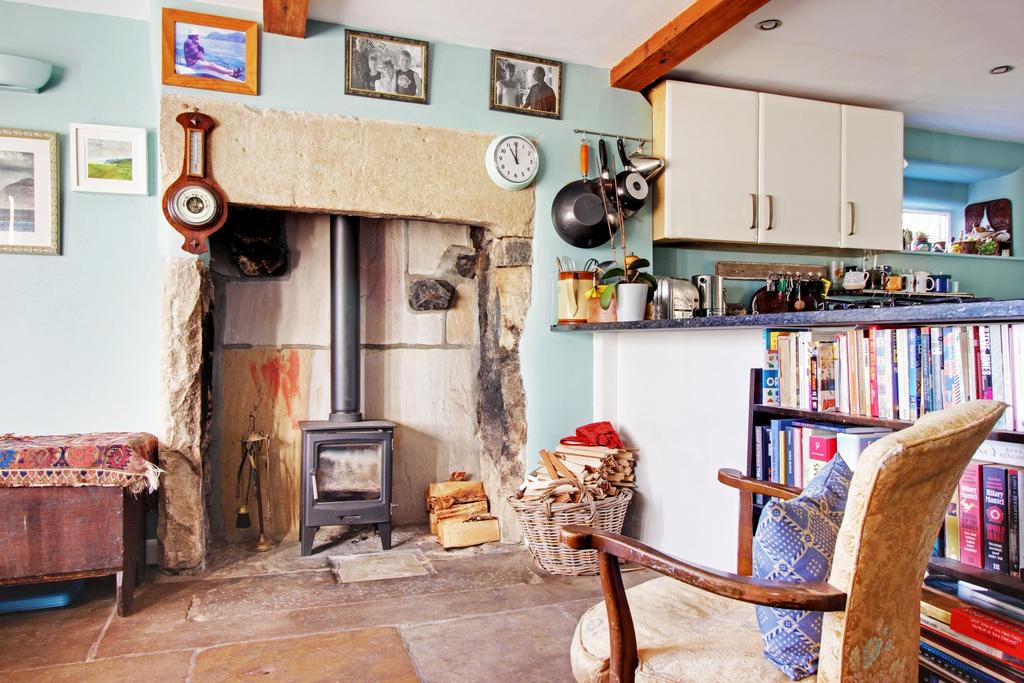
{"x": 772, "y": 24}
{"x": 1001, "y": 69}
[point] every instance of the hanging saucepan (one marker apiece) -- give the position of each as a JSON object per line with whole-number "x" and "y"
{"x": 578, "y": 211}
{"x": 630, "y": 186}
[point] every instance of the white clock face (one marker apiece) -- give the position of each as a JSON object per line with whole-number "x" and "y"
{"x": 195, "y": 205}
{"x": 516, "y": 160}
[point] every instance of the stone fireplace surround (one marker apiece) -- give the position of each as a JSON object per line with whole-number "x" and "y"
{"x": 321, "y": 163}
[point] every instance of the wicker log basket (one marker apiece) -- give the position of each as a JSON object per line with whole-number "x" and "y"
{"x": 541, "y": 520}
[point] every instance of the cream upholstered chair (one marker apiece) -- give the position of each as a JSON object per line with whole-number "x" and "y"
{"x": 691, "y": 626}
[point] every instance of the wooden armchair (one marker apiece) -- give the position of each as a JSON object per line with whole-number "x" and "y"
{"x": 691, "y": 624}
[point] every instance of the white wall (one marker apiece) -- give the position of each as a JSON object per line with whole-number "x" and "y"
{"x": 681, "y": 397}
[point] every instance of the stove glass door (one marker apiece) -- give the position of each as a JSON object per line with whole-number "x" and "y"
{"x": 348, "y": 470}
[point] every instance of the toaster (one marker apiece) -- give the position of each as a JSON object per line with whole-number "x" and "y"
{"x": 675, "y": 297}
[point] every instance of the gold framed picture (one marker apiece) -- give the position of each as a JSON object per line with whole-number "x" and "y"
{"x": 29, "y": 192}
{"x": 388, "y": 67}
{"x": 210, "y": 52}
{"x": 526, "y": 85}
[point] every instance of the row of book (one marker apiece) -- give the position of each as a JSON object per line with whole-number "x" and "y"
{"x": 793, "y": 451}
{"x": 896, "y": 373}
{"x": 971, "y": 633}
{"x": 982, "y": 527}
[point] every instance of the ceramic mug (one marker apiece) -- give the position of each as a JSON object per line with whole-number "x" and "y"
{"x": 876, "y": 278}
{"x": 894, "y": 282}
{"x": 855, "y": 279}
{"x": 942, "y": 282}
{"x": 923, "y": 281}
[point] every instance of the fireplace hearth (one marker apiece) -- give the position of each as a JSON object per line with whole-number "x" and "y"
{"x": 346, "y": 460}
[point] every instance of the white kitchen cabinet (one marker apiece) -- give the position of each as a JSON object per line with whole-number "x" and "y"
{"x": 708, "y": 137}
{"x": 798, "y": 171}
{"x": 753, "y": 168}
{"x": 872, "y": 182}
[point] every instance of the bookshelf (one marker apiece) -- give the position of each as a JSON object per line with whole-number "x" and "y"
{"x": 761, "y": 414}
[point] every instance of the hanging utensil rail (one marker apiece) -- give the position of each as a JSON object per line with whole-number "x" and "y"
{"x": 582, "y": 131}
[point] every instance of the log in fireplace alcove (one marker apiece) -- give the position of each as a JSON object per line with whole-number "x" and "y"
{"x": 346, "y": 460}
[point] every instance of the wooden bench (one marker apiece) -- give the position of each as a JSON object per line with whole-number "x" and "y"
{"x": 72, "y": 506}
{"x": 58, "y": 533}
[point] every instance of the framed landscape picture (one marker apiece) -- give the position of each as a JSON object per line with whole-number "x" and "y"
{"x": 386, "y": 66}
{"x": 526, "y": 85}
{"x": 210, "y": 52}
{"x": 29, "y": 192}
{"x": 109, "y": 159}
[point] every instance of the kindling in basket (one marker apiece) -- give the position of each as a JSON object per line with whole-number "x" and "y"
{"x": 541, "y": 520}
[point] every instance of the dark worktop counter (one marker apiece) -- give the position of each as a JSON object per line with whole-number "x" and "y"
{"x": 947, "y": 314}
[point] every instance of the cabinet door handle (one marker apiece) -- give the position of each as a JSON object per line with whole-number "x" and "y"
{"x": 753, "y": 215}
{"x": 853, "y": 218}
{"x": 771, "y": 212}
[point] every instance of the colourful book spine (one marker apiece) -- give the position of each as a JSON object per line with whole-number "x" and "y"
{"x": 1002, "y": 634}
{"x": 967, "y": 363}
{"x": 813, "y": 371}
{"x": 894, "y": 372}
{"x": 790, "y": 451}
{"x": 994, "y": 530}
{"x": 914, "y": 372}
{"x": 983, "y": 356}
{"x": 952, "y": 529}
{"x": 996, "y": 339}
{"x": 926, "y": 397}
{"x": 1013, "y": 518}
{"x": 936, "y": 368}
{"x": 854, "y": 370}
{"x": 954, "y": 368}
{"x": 1007, "y": 419}
{"x": 969, "y": 515}
{"x": 872, "y": 364}
{"x": 901, "y": 367}
{"x": 827, "y": 376}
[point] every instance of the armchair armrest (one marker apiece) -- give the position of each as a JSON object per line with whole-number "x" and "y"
{"x": 623, "y": 657}
{"x": 733, "y": 478}
{"x": 815, "y": 597}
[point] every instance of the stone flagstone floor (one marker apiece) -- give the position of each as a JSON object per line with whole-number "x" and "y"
{"x": 483, "y": 614}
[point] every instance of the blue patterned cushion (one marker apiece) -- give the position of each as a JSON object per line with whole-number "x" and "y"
{"x": 795, "y": 540}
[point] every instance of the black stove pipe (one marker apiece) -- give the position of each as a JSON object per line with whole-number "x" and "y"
{"x": 345, "y": 324}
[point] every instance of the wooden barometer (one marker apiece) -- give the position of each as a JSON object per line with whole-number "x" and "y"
{"x": 194, "y": 204}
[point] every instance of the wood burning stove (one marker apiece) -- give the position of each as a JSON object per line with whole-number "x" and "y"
{"x": 346, "y": 460}
{"x": 346, "y": 472}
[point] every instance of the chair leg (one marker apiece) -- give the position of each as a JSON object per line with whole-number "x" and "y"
{"x": 623, "y": 659}
{"x": 745, "y": 540}
{"x": 384, "y": 531}
{"x": 125, "y": 590}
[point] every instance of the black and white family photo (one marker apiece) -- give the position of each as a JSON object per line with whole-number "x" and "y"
{"x": 386, "y": 66}
{"x": 526, "y": 85}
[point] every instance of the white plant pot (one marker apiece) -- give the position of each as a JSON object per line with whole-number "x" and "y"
{"x": 631, "y": 301}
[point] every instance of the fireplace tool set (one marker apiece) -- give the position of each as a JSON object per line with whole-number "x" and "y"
{"x": 255, "y": 449}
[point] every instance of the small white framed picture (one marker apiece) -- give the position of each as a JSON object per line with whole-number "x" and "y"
{"x": 109, "y": 159}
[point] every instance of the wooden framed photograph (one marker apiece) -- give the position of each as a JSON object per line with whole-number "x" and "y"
{"x": 29, "y": 192}
{"x": 109, "y": 159}
{"x": 387, "y": 66}
{"x": 526, "y": 85}
{"x": 210, "y": 52}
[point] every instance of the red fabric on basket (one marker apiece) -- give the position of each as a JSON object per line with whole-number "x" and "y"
{"x": 594, "y": 434}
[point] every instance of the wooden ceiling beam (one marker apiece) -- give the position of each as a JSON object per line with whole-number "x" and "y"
{"x": 692, "y": 29}
{"x": 286, "y": 17}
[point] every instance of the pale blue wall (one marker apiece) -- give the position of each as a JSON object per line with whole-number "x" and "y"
{"x": 118, "y": 277}
{"x": 80, "y": 341}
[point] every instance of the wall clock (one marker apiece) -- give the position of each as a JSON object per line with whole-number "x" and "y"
{"x": 512, "y": 161}
{"x": 194, "y": 204}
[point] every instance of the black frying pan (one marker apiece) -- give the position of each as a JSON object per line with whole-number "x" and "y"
{"x": 578, "y": 211}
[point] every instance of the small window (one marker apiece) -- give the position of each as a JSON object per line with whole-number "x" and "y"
{"x": 933, "y": 225}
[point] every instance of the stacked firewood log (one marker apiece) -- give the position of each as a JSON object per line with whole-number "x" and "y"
{"x": 570, "y": 472}
{"x": 458, "y": 513}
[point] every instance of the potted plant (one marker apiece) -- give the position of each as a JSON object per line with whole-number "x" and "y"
{"x": 601, "y": 295}
{"x": 633, "y": 289}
